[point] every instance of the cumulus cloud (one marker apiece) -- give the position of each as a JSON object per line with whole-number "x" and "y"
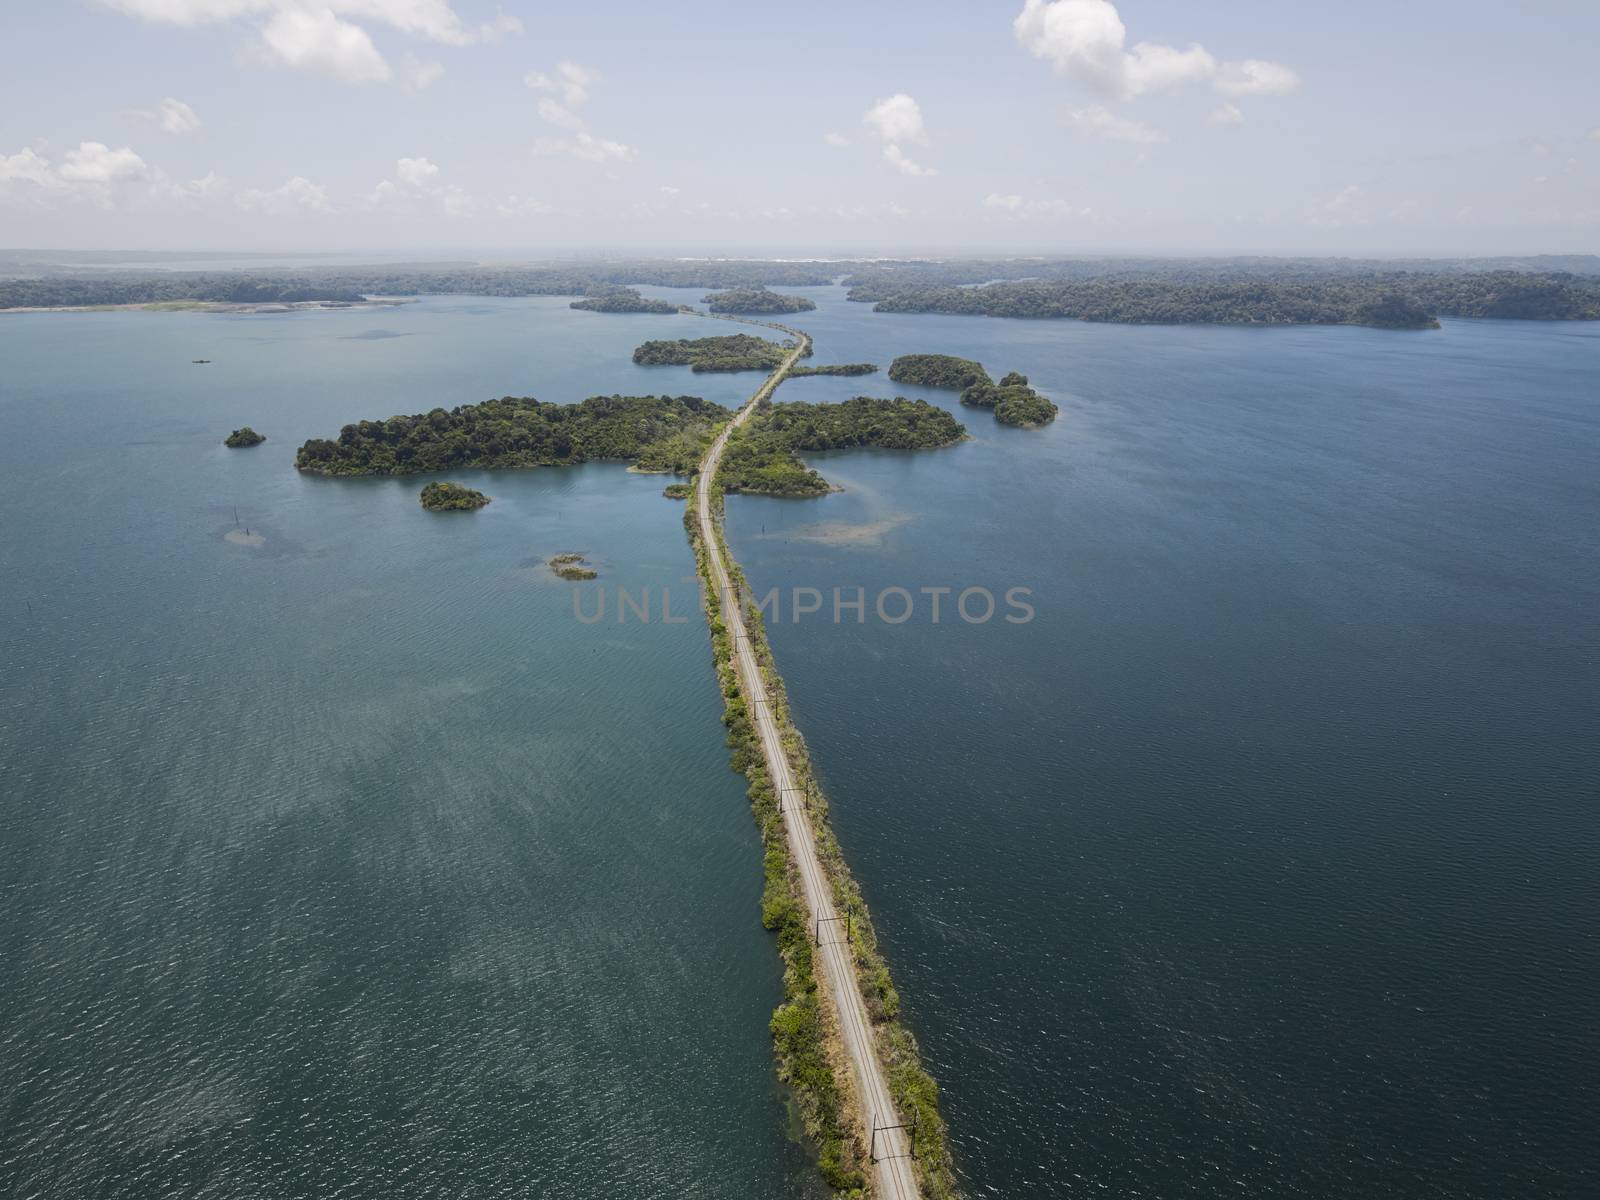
{"x": 1227, "y": 114}
{"x": 897, "y": 118}
{"x": 836, "y": 139}
{"x": 1594, "y": 134}
{"x": 27, "y": 166}
{"x": 586, "y": 148}
{"x": 323, "y": 36}
{"x": 298, "y": 194}
{"x": 95, "y": 162}
{"x": 896, "y": 158}
{"x": 571, "y": 82}
{"x": 1253, "y": 77}
{"x": 1098, "y": 121}
{"x": 174, "y": 116}
{"x": 305, "y": 39}
{"x": 1087, "y": 41}
{"x": 417, "y": 172}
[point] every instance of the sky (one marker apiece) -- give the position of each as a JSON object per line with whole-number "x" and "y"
{"x": 887, "y": 127}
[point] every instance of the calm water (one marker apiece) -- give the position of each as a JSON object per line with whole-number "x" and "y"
{"x": 350, "y": 864}
{"x": 1261, "y": 862}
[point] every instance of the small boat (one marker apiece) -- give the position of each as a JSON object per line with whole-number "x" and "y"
{"x": 199, "y": 360}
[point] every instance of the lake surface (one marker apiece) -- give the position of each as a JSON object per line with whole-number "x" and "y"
{"x": 1261, "y": 861}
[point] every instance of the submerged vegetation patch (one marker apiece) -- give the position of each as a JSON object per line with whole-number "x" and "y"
{"x": 573, "y": 566}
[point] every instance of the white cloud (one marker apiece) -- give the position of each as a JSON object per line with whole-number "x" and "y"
{"x": 456, "y": 202}
{"x": 571, "y": 81}
{"x": 1021, "y": 207}
{"x": 27, "y": 166}
{"x": 1594, "y": 134}
{"x": 1087, "y": 41}
{"x": 1100, "y": 122}
{"x": 95, "y": 162}
{"x": 296, "y": 195}
{"x": 559, "y": 114}
{"x": 669, "y": 191}
{"x": 897, "y": 118}
{"x": 587, "y": 148}
{"x": 418, "y": 172}
{"x": 174, "y": 115}
{"x": 836, "y": 139}
{"x": 1253, "y": 77}
{"x": 1227, "y": 114}
{"x": 896, "y": 158}
{"x": 315, "y": 35}
{"x": 316, "y": 40}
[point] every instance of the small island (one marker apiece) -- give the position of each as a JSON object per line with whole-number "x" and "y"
{"x": 756, "y": 301}
{"x": 938, "y": 371}
{"x": 571, "y": 566}
{"x": 761, "y": 459}
{"x": 1013, "y": 400}
{"x": 622, "y": 300}
{"x": 678, "y": 491}
{"x": 737, "y": 352}
{"x": 452, "y": 497}
{"x": 835, "y": 369}
{"x": 659, "y": 433}
{"x": 241, "y": 439}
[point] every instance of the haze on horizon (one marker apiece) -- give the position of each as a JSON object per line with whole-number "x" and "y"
{"x": 1064, "y": 126}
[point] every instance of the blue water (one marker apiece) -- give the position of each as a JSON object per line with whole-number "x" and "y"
{"x": 1261, "y": 861}
{"x": 351, "y": 863}
{"x": 1265, "y": 860}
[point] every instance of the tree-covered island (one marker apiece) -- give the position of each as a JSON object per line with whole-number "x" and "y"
{"x": 734, "y": 352}
{"x": 452, "y": 497}
{"x": 834, "y": 369}
{"x": 1013, "y": 400}
{"x": 622, "y": 300}
{"x": 658, "y": 432}
{"x": 938, "y": 371}
{"x": 241, "y": 439}
{"x": 762, "y": 456}
{"x": 756, "y": 301}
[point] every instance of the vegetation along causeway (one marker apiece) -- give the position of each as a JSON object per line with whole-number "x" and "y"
{"x": 840, "y": 1005}
{"x": 622, "y": 300}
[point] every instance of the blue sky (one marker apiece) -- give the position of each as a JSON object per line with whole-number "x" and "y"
{"x": 1051, "y": 125}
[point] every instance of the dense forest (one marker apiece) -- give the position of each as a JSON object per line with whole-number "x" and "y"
{"x": 1014, "y": 401}
{"x": 735, "y": 352}
{"x": 834, "y": 369}
{"x": 241, "y": 439}
{"x": 1387, "y": 301}
{"x": 938, "y": 371}
{"x": 622, "y": 300}
{"x": 762, "y": 459}
{"x": 452, "y": 497}
{"x": 520, "y": 432}
{"x": 166, "y": 289}
{"x": 756, "y": 300}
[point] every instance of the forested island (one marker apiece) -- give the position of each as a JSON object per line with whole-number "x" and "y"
{"x": 735, "y": 352}
{"x": 834, "y": 369}
{"x": 1014, "y": 401}
{"x": 762, "y": 456}
{"x": 622, "y": 300}
{"x": 938, "y": 371}
{"x": 241, "y": 439}
{"x": 665, "y": 432}
{"x": 452, "y": 497}
{"x": 1387, "y": 301}
{"x": 756, "y": 301}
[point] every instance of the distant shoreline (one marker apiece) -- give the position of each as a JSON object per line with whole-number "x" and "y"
{"x": 214, "y": 306}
